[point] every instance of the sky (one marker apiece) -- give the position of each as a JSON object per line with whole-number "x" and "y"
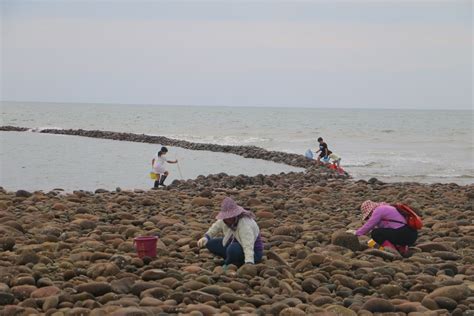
{"x": 328, "y": 54}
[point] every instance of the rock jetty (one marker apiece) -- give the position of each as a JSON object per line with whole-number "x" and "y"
{"x": 244, "y": 151}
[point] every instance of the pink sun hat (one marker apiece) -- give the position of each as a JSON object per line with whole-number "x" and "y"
{"x": 230, "y": 209}
{"x": 368, "y": 207}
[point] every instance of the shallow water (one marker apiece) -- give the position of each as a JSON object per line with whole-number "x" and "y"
{"x": 35, "y": 161}
{"x": 393, "y": 145}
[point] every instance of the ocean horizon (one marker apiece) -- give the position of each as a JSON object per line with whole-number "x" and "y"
{"x": 11, "y": 102}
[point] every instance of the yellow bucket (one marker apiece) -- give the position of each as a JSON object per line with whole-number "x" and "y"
{"x": 153, "y": 176}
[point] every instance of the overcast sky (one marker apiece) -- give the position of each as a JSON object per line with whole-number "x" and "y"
{"x": 369, "y": 54}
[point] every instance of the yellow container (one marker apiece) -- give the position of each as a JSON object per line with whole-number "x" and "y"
{"x": 153, "y": 176}
{"x": 372, "y": 244}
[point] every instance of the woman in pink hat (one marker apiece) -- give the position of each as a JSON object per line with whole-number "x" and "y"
{"x": 241, "y": 243}
{"x": 387, "y": 226}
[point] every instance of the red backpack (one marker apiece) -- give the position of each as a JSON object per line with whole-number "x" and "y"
{"x": 413, "y": 220}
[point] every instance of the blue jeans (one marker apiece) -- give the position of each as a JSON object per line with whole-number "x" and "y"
{"x": 233, "y": 253}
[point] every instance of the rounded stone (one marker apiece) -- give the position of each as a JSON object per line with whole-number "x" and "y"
{"x": 292, "y": 311}
{"x": 23, "y": 193}
{"x": 27, "y": 257}
{"x": 153, "y": 274}
{"x": 340, "y": 310}
{"x": 346, "y": 240}
{"x": 7, "y": 243}
{"x": 248, "y": 270}
{"x": 6, "y": 298}
{"x": 45, "y": 292}
{"x": 377, "y": 305}
{"x": 310, "y": 285}
{"x": 446, "y": 302}
{"x": 102, "y": 269}
{"x": 94, "y": 288}
{"x": 455, "y": 292}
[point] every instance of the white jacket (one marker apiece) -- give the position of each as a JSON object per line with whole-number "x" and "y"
{"x": 246, "y": 234}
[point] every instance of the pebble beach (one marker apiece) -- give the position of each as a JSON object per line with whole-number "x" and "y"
{"x": 73, "y": 253}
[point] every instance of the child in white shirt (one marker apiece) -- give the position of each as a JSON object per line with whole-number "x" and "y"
{"x": 158, "y": 165}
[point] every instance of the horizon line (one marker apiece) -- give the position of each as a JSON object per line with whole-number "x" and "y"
{"x": 242, "y": 106}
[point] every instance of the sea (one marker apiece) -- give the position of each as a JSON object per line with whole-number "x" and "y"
{"x": 428, "y": 146}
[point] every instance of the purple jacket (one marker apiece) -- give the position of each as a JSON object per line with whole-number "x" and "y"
{"x": 381, "y": 218}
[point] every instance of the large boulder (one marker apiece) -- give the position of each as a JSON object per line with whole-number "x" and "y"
{"x": 433, "y": 246}
{"x": 129, "y": 311}
{"x": 292, "y": 311}
{"x": 22, "y": 292}
{"x": 45, "y": 292}
{"x": 27, "y": 257}
{"x": 346, "y": 240}
{"x": 7, "y": 243}
{"x": 340, "y": 310}
{"x": 102, "y": 269}
{"x": 94, "y": 288}
{"x": 201, "y": 201}
{"x": 455, "y": 292}
{"x": 23, "y": 193}
{"x": 248, "y": 270}
{"x": 6, "y": 298}
{"x": 378, "y": 305}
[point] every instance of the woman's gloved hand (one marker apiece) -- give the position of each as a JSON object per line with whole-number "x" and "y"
{"x": 202, "y": 242}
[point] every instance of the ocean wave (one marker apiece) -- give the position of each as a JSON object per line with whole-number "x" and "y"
{"x": 221, "y": 140}
{"x": 40, "y": 129}
{"x": 424, "y": 176}
{"x": 387, "y": 131}
{"x": 363, "y": 164}
{"x": 455, "y": 176}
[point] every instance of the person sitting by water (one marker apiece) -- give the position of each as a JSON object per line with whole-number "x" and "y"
{"x": 388, "y": 227}
{"x": 323, "y": 150}
{"x": 158, "y": 165}
{"x": 241, "y": 242}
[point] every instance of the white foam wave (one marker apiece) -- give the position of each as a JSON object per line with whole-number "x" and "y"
{"x": 40, "y": 129}
{"x": 221, "y": 140}
{"x": 420, "y": 176}
{"x": 363, "y": 164}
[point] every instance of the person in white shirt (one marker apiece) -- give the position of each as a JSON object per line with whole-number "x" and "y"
{"x": 241, "y": 242}
{"x": 158, "y": 165}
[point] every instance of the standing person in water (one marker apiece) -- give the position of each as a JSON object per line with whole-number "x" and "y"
{"x": 323, "y": 150}
{"x": 158, "y": 165}
{"x": 241, "y": 242}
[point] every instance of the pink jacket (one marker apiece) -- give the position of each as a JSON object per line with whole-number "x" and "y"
{"x": 381, "y": 218}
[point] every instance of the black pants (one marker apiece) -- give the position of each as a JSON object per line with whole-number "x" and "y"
{"x": 403, "y": 236}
